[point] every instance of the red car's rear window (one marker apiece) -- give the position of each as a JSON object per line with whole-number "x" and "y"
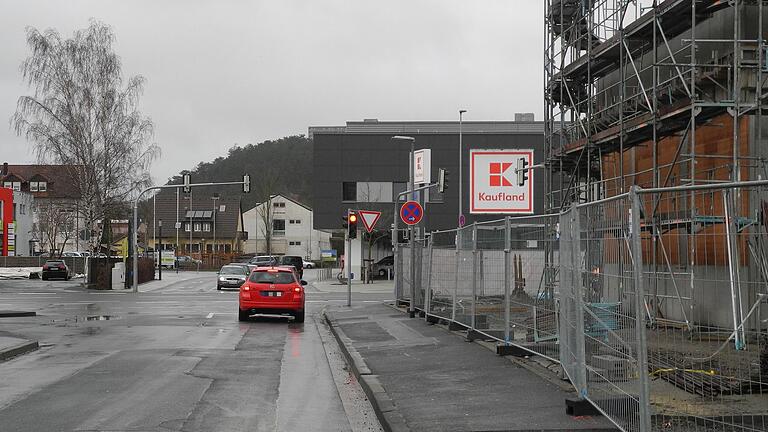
{"x": 276, "y": 278}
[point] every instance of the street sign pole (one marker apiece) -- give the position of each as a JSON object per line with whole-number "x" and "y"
{"x": 349, "y": 266}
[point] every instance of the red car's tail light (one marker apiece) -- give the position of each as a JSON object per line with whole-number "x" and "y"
{"x": 246, "y": 288}
{"x": 297, "y": 289}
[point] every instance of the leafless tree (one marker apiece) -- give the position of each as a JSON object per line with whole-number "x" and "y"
{"x": 54, "y": 225}
{"x": 83, "y": 115}
{"x": 266, "y": 187}
{"x": 367, "y": 194}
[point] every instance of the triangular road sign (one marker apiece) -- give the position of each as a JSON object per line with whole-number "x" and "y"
{"x": 369, "y": 218}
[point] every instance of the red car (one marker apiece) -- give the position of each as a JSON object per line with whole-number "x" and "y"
{"x": 272, "y": 291}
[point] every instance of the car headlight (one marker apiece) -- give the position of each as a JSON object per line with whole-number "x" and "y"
{"x": 222, "y": 278}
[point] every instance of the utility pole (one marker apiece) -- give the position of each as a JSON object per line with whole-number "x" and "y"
{"x": 177, "y": 225}
{"x": 215, "y": 198}
{"x": 348, "y": 254}
{"x": 412, "y": 306}
{"x": 160, "y": 253}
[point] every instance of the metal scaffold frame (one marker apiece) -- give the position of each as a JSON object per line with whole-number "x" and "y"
{"x": 666, "y": 95}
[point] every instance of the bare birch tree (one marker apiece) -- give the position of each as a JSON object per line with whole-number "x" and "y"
{"x": 83, "y": 115}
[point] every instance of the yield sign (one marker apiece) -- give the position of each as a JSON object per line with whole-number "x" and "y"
{"x": 369, "y": 218}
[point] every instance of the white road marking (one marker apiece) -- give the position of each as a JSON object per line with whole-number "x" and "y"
{"x": 209, "y": 316}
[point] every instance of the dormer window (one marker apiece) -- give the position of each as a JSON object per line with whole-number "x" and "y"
{"x": 15, "y": 185}
{"x": 33, "y": 186}
{"x": 42, "y": 186}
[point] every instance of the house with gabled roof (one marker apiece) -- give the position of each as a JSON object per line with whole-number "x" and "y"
{"x": 52, "y": 187}
{"x": 288, "y": 225}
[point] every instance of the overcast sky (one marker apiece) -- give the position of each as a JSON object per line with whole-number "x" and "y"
{"x": 221, "y": 73}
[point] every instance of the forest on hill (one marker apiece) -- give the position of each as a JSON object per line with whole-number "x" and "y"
{"x": 282, "y": 166}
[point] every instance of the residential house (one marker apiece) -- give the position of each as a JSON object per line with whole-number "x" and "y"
{"x": 192, "y": 223}
{"x": 56, "y": 197}
{"x": 290, "y": 228}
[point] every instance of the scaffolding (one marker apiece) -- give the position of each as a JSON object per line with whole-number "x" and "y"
{"x": 668, "y": 96}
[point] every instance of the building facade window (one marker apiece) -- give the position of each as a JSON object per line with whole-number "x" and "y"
{"x": 294, "y": 243}
{"x": 278, "y": 204}
{"x": 206, "y": 227}
{"x": 349, "y": 191}
{"x": 42, "y": 186}
{"x": 397, "y": 188}
{"x": 374, "y": 192}
{"x": 33, "y": 186}
{"x": 278, "y": 226}
{"x": 186, "y": 226}
{"x": 197, "y": 226}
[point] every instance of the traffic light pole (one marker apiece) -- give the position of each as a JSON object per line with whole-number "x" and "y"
{"x": 348, "y": 253}
{"x": 135, "y": 237}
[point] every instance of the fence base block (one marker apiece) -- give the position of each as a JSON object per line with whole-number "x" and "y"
{"x": 512, "y": 350}
{"x": 401, "y": 303}
{"x": 580, "y": 407}
{"x": 422, "y": 314}
{"x": 433, "y": 319}
{"x": 454, "y": 326}
{"x": 412, "y": 314}
{"x": 473, "y": 335}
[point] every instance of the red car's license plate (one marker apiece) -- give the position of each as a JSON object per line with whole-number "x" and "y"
{"x": 272, "y": 293}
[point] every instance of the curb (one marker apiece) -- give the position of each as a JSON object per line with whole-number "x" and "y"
{"x": 14, "y": 314}
{"x": 18, "y": 350}
{"x": 384, "y": 407}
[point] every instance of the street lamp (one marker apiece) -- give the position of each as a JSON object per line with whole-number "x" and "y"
{"x": 461, "y": 156}
{"x": 412, "y": 306}
{"x": 160, "y": 253}
{"x": 215, "y": 198}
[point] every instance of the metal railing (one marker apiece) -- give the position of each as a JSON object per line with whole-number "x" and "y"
{"x": 654, "y": 302}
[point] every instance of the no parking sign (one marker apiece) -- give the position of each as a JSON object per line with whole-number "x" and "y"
{"x": 411, "y": 213}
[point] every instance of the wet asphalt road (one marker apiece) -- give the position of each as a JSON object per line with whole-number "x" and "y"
{"x": 174, "y": 359}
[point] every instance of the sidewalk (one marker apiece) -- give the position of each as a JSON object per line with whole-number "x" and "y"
{"x": 376, "y": 286}
{"x": 170, "y": 277}
{"x": 422, "y": 377}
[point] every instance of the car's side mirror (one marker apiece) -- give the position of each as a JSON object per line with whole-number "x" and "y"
{"x": 303, "y": 282}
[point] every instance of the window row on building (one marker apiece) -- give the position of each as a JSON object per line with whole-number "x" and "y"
{"x": 379, "y": 192}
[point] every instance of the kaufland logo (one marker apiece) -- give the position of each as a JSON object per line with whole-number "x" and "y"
{"x": 494, "y": 183}
{"x": 498, "y": 173}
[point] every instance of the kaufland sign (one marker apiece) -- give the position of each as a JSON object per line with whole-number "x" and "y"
{"x": 494, "y": 185}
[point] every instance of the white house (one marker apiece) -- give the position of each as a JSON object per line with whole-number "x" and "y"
{"x": 290, "y": 229}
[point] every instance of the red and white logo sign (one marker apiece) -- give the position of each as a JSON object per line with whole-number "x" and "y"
{"x": 494, "y": 186}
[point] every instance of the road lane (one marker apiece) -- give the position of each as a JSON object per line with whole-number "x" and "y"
{"x": 175, "y": 358}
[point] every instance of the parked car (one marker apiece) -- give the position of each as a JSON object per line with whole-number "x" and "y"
{"x": 264, "y": 260}
{"x": 380, "y": 267}
{"x": 231, "y": 276}
{"x": 272, "y": 291}
{"x": 187, "y": 261}
{"x": 56, "y": 269}
{"x": 71, "y": 254}
{"x": 308, "y": 264}
{"x": 293, "y": 260}
{"x": 246, "y": 266}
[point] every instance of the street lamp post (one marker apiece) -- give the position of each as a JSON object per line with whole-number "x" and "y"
{"x": 461, "y": 156}
{"x": 412, "y": 306}
{"x": 160, "y": 253}
{"x": 215, "y": 198}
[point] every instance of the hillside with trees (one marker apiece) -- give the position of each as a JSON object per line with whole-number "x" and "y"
{"x": 282, "y": 166}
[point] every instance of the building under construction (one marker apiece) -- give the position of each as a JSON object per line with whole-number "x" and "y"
{"x": 669, "y": 96}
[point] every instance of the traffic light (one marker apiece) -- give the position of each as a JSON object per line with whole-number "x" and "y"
{"x": 522, "y": 171}
{"x": 246, "y": 183}
{"x": 442, "y": 179}
{"x": 352, "y": 225}
{"x": 187, "y": 188}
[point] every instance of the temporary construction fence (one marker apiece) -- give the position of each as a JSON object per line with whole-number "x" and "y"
{"x": 654, "y": 302}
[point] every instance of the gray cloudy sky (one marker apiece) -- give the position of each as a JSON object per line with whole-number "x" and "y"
{"x": 225, "y": 72}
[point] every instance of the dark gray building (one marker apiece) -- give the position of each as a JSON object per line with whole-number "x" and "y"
{"x": 360, "y": 166}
